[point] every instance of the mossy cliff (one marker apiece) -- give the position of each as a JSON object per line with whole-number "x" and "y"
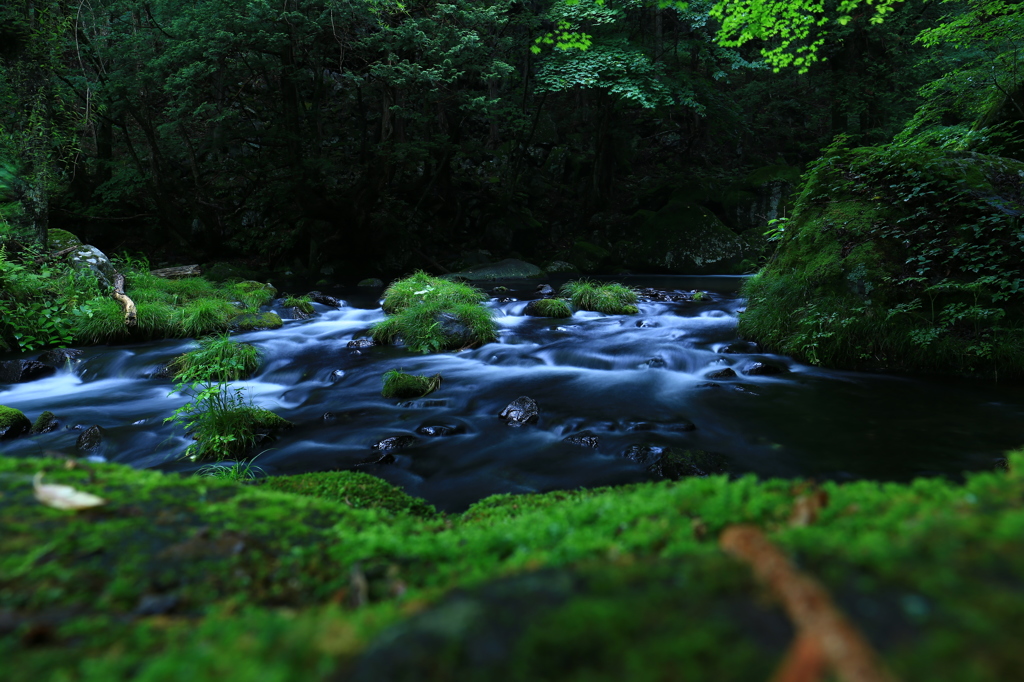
{"x": 902, "y": 258}
{"x": 339, "y": 576}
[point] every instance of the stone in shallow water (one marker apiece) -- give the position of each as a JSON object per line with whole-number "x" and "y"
{"x": 522, "y": 410}
{"x": 365, "y": 342}
{"x": 58, "y": 357}
{"x": 90, "y": 440}
{"x": 727, "y": 373}
{"x": 13, "y": 422}
{"x": 395, "y": 443}
{"x": 45, "y": 423}
{"x": 587, "y": 439}
{"x": 324, "y": 299}
{"x": 761, "y": 369}
{"x": 435, "y": 430}
{"x": 20, "y": 371}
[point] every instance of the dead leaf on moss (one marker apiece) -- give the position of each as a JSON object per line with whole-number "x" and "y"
{"x": 807, "y": 506}
{"x": 63, "y": 496}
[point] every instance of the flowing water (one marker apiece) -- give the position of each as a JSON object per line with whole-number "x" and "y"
{"x": 637, "y": 379}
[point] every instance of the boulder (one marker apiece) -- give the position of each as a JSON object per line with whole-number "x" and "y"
{"x": 589, "y": 257}
{"x": 13, "y": 423}
{"x": 61, "y": 239}
{"x": 510, "y": 268}
{"x": 436, "y": 430}
{"x": 560, "y": 266}
{"x": 522, "y": 410}
{"x": 548, "y": 307}
{"x": 682, "y": 238}
{"x": 20, "y": 371}
{"x": 545, "y": 290}
{"x": 365, "y": 342}
{"x": 371, "y": 283}
{"x": 727, "y": 373}
{"x": 88, "y": 258}
{"x": 676, "y": 464}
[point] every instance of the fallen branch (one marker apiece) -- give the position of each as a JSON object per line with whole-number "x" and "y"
{"x": 808, "y": 605}
{"x": 130, "y": 314}
{"x": 177, "y": 272}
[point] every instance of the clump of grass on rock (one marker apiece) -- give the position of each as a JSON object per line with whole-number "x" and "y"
{"x": 217, "y": 358}
{"x": 400, "y": 385}
{"x": 611, "y": 298}
{"x": 431, "y": 315}
{"x": 548, "y": 307}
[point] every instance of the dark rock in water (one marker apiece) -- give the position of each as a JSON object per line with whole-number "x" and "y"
{"x": 45, "y": 423}
{"x": 709, "y": 384}
{"x": 545, "y": 290}
{"x": 587, "y": 439}
{"x": 90, "y": 440}
{"x": 329, "y": 418}
{"x": 761, "y": 369}
{"x": 324, "y": 299}
{"x": 337, "y": 375}
{"x": 386, "y": 458}
{"x": 371, "y": 282}
{"x": 13, "y": 423}
{"x": 500, "y": 290}
{"x": 436, "y": 430}
{"x": 58, "y": 357}
{"x": 365, "y": 342}
{"x": 683, "y": 426}
{"x": 745, "y": 389}
{"x": 643, "y": 454}
{"x": 20, "y": 371}
{"x": 424, "y": 403}
{"x": 742, "y": 347}
{"x": 727, "y": 373}
{"x": 395, "y": 443}
{"x": 655, "y": 363}
{"x": 646, "y": 295}
{"x": 507, "y": 299}
{"x": 676, "y": 464}
{"x": 522, "y": 410}
{"x": 298, "y": 313}
{"x": 647, "y": 324}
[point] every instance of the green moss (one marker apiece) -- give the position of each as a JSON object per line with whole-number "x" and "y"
{"x": 217, "y": 358}
{"x": 549, "y": 307}
{"x": 231, "y": 430}
{"x": 422, "y": 288}
{"x": 602, "y": 584}
{"x": 62, "y": 239}
{"x": 885, "y": 265}
{"x": 252, "y": 321}
{"x": 399, "y": 385}
{"x": 354, "y": 489}
{"x": 612, "y": 298}
{"x": 13, "y": 422}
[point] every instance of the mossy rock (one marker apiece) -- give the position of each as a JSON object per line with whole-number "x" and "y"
{"x": 399, "y": 385}
{"x": 610, "y": 298}
{"x": 337, "y": 580}
{"x": 355, "y": 489}
{"x": 510, "y": 268}
{"x": 45, "y": 423}
{"x": 885, "y": 265}
{"x": 13, "y": 423}
{"x": 62, "y": 239}
{"x": 682, "y": 238}
{"x": 556, "y": 266}
{"x": 370, "y": 283}
{"x": 548, "y": 307}
{"x": 248, "y": 322}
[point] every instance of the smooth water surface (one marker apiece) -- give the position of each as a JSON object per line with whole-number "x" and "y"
{"x": 628, "y": 379}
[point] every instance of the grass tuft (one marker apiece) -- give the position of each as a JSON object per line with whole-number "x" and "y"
{"x": 549, "y": 307}
{"x": 218, "y": 358}
{"x": 422, "y": 288}
{"x": 612, "y": 298}
{"x": 399, "y": 385}
{"x": 438, "y": 326}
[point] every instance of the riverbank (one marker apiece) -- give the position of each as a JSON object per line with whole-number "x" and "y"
{"x": 340, "y": 576}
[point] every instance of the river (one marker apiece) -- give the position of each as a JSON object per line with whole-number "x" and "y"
{"x": 638, "y": 379}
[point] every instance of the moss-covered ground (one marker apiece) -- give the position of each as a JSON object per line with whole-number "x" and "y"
{"x": 339, "y": 576}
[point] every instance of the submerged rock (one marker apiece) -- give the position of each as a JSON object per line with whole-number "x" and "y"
{"x": 395, "y": 443}
{"x": 675, "y": 464}
{"x": 20, "y": 371}
{"x": 59, "y": 357}
{"x": 727, "y": 373}
{"x": 545, "y": 290}
{"x": 437, "y": 430}
{"x": 365, "y": 342}
{"x": 90, "y": 440}
{"x": 13, "y": 423}
{"x": 586, "y": 439}
{"x": 522, "y": 410}
{"x": 762, "y": 369}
